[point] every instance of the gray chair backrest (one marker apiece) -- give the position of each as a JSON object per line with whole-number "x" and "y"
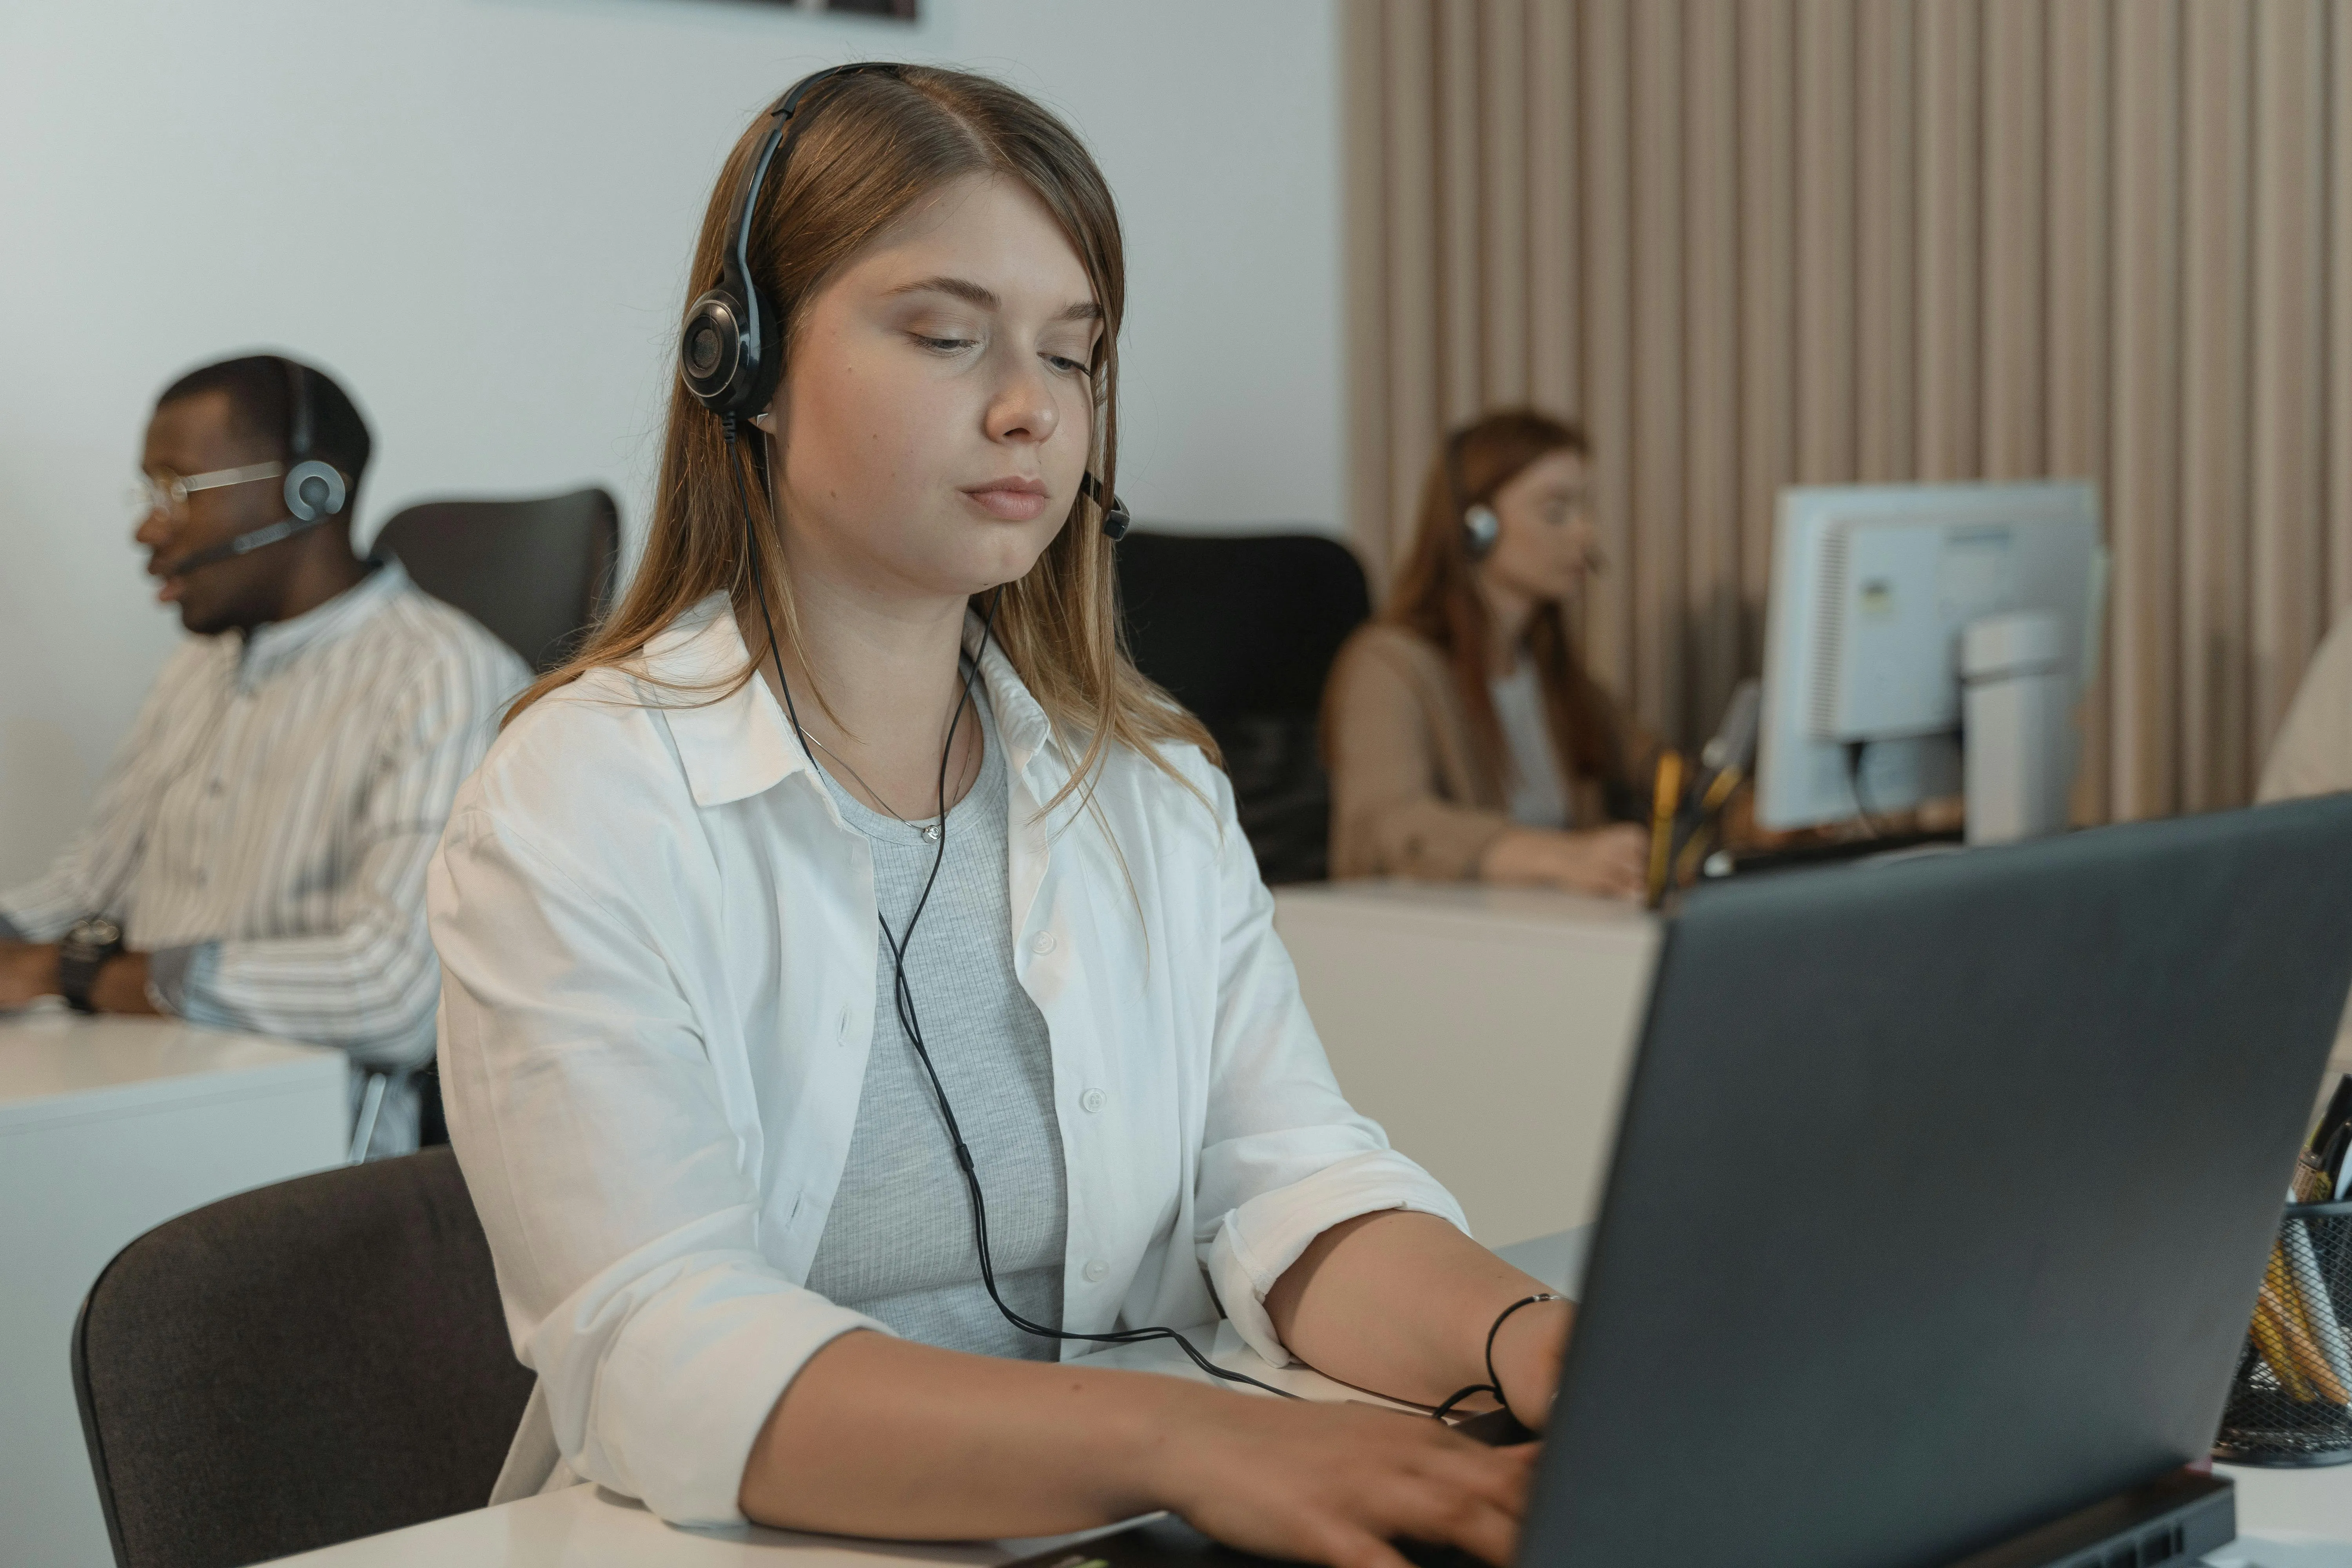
{"x": 296, "y": 1366}
{"x": 537, "y": 573}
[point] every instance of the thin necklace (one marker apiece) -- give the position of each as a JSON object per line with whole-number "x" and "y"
{"x": 930, "y": 830}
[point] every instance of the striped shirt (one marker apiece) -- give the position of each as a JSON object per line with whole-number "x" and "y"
{"x": 263, "y": 830}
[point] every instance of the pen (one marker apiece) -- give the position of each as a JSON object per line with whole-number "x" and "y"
{"x": 1665, "y": 795}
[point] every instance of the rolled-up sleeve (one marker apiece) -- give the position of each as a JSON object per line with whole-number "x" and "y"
{"x": 1283, "y": 1156}
{"x": 621, "y": 1205}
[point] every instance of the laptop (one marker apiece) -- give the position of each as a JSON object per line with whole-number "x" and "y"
{"x": 1941, "y": 1193}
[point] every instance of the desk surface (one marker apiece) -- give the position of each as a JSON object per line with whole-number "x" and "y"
{"x": 56, "y": 1064}
{"x": 587, "y": 1527}
{"x": 1557, "y": 916}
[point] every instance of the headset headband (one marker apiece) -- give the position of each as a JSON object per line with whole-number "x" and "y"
{"x": 314, "y": 490}
{"x": 731, "y": 352}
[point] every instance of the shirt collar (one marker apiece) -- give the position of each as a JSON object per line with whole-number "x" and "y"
{"x": 737, "y": 746}
{"x": 271, "y": 647}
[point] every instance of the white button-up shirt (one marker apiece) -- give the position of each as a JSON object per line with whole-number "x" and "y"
{"x": 657, "y": 942}
{"x": 265, "y": 828}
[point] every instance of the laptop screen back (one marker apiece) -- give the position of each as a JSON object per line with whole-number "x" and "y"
{"x": 1942, "y": 1192}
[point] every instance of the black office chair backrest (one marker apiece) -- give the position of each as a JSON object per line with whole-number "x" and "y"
{"x": 1242, "y": 629}
{"x": 296, "y": 1366}
{"x": 537, "y": 573}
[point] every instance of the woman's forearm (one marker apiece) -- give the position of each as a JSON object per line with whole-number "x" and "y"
{"x": 888, "y": 1437}
{"x": 1400, "y": 1303}
{"x": 880, "y": 1436}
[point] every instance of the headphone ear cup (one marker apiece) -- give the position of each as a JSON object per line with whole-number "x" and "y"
{"x": 716, "y": 359}
{"x": 313, "y": 490}
{"x": 1480, "y": 528}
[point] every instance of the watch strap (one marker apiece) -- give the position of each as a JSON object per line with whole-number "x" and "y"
{"x": 78, "y": 961}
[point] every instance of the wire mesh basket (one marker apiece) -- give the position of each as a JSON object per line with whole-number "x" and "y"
{"x": 2291, "y": 1402}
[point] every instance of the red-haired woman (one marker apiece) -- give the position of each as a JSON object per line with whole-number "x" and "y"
{"x": 1465, "y": 738}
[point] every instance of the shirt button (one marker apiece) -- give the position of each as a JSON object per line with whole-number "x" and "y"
{"x": 841, "y": 1029}
{"x": 1096, "y": 1271}
{"x": 1093, "y": 1101}
{"x": 1042, "y": 943}
{"x": 201, "y": 878}
{"x": 214, "y": 787}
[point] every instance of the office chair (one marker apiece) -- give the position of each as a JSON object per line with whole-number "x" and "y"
{"x": 296, "y": 1366}
{"x": 537, "y": 573}
{"x": 1242, "y": 629}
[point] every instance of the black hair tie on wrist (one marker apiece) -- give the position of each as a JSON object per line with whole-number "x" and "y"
{"x": 1494, "y": 1384}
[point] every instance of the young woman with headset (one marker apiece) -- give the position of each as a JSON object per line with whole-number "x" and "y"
{"x": 1465, "y": 738}
{"x": 852, "y": 964}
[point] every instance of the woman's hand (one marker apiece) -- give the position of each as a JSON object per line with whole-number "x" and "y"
{"x": 1610, "y": 862}
{"x": 1335, "y": 1484}
{"x": 1528, "y": 1349}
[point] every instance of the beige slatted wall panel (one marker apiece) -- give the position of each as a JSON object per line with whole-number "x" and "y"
{"x": 1458, "y": 159}
{"x": 1553, "y": 184}
{"x": 1825, "y": 240}
{"x": 1364, "y": 220}
{"x": 2336, "y": 414}
{"x": 1767, "y": 291}
{"x": 1951, "y": 209}
{"x": 2285, "y": 560}
{"x": 2016, "y": 192}
{"x": 2143, "y": 498}
{"x": 1504, "y": 201}
{"x": 1605, "y": 59}
{"x": 2079, "y": 303}
{"x": 2217, "y": 210}
{"x": 1659, "y": 436}
{"x": 1711, "y": 354}
{"x": 1748, "y": 241}
{"x": 1886, "y": 234}
{"x": 1410, "y": 301}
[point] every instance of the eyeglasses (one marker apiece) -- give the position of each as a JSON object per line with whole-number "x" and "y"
{"x": 167, "y": 492}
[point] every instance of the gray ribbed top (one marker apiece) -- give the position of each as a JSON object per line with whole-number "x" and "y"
{"x": 898, "y": 1243}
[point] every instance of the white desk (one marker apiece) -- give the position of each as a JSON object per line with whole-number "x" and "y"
{"x": 586, "y": 1527}
{"x": 1489, "y": 1029}
{"x": 108, "y": 1128}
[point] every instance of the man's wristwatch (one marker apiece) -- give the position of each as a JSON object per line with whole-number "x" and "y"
{"x": 90, "y": 941}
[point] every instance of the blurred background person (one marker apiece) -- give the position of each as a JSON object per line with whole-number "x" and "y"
{"x": 255, "y": 856}
{"x": 1465, "y": 738}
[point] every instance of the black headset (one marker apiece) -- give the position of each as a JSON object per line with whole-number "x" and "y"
{"x": 315, "y": 490}
{"x": 730, "y": 350}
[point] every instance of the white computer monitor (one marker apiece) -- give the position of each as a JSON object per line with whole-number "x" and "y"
{"x": 1872, "y": 586}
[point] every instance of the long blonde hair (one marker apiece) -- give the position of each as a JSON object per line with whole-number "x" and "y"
{"x": 879, "y": 145}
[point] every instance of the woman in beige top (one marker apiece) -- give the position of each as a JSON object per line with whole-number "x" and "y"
{"x": 1463, "y": 736}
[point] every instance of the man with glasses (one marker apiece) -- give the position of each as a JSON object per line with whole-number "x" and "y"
{"x": 255, "y": 856}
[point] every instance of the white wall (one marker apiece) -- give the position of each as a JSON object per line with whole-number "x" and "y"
{"x": 477, "y": 214}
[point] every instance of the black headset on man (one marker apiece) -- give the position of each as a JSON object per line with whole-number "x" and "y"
{"x": 314, "y": 490}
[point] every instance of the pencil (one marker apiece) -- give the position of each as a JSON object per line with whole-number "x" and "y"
{"x": 1664, "y": 797}
{"x": 2295, "y": 1331}
{"x": 2271, "y": 1342}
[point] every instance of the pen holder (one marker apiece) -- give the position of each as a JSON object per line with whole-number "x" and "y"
{"x": 2291, "y": 1402}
